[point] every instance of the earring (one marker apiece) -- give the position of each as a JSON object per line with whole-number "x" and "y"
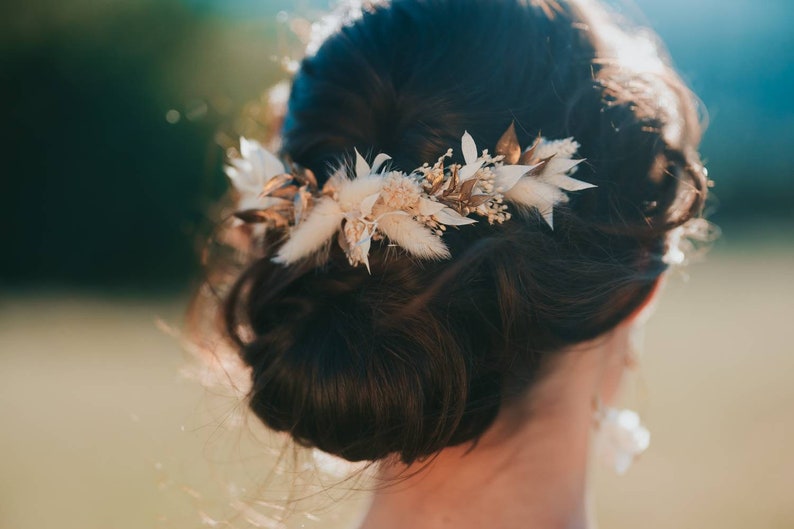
{"x": 621, "y": 437}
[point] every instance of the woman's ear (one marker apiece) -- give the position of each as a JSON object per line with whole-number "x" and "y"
{"x": 642, "y": 313}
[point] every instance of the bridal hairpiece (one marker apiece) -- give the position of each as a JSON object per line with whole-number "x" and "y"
{"x": 366, "y": 203}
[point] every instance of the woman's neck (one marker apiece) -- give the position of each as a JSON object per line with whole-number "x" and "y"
{"x": 528, "y": 471}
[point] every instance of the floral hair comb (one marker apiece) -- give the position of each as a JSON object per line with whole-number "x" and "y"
{"x": 367, "y": 203}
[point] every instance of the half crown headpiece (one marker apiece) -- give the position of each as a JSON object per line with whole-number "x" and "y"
{"x": 367, "y": 203}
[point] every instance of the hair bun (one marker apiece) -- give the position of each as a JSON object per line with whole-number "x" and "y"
{"x": 335, "y": 373}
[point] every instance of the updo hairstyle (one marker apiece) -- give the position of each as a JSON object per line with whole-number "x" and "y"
{"x": 420, "y": 355}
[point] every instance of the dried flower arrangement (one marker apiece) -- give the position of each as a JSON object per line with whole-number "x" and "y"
{"x": 367, "y": 203}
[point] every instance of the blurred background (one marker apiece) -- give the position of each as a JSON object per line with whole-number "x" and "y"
{"x": 114, "y": 118}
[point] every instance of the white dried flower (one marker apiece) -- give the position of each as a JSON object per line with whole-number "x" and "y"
{"x": 549, "y": 179}
{"x": 362, "y": 203}
{"x": 400, "y": 192}
{"x": 566, "y": 148}
{"x": 358, "y": 238}
{"x": 251, "y": 172}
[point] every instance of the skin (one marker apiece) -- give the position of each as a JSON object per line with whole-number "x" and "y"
{"x": 530, "y": 469}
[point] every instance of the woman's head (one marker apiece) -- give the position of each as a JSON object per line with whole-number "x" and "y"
{"x": 420, "y": 355}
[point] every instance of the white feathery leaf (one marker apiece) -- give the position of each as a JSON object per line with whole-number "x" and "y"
{"x": 566, "y": 148}
{"x": 271, "y": 164}
{"x": 238, "y": 178}
{"x": 469, "y": 170}
{"x": 365, "y": 246}
{"x": 248, "y": 147}
{"x": 368, "y": 203}
{"x": 241, "y": 174}
{"x": 530, "y": 193}
{"x": 320, "y": 225}
{"x": 450, "y": 217}
{"x": 379, "y": 161}
{"x": 266, "y": 164}
{"x": 469, "y": 148}
{"x": 567, "y": 183}
{"x": 560, "y": 166}
{"x": 352, "y": 193}
{"x": 429, "y": 207}
{"x": 413, "y": 236}
{"x": 242, "y": 164}
{"x": 508, "y": 176}
{"x": 362, "y": 167}
{"x": 253, "y": 171}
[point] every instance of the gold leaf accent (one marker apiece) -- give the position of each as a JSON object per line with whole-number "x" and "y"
{"x": 306, "y": 178}
{"x": 467, "y": 188}
{"x": 478, "y": 200}
{"x": 529, "y": 155}
{"x": 250, "y": 216}
{"x": 509, "y": 147}
{"x": 287, "y": 192}
{"x": 453, "y": 181}
{"x": 436, "y": 181}
{"x": 541, "y": 166}
{"x": 275, "y": 183}
{"x": 262, "y": 216}
{"x": 301, "y": 204}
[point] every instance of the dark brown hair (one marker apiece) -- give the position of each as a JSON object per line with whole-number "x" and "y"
{"x": 418, "y": 356}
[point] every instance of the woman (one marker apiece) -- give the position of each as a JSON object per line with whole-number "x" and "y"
{"x": 464, "y": 320}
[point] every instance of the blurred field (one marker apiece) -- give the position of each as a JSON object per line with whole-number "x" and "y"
{"x": 100, "y": 431}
